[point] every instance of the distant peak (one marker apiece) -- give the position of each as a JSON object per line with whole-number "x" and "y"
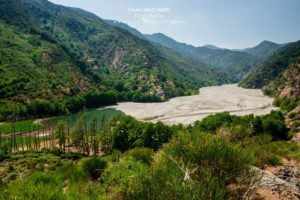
{"x": 159, "y": 34}
{"x": 266, "y": 42}
{"x": 210, "y": 46}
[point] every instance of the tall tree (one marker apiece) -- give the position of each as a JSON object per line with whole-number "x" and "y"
{"x": 78, "y": 135}
{"x": 94, "y": 135}
{"x": 60, "y": 133}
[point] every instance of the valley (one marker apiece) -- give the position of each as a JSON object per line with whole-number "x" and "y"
{"x": 95, "y": 108}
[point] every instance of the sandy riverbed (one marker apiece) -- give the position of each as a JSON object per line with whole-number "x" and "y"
{"x": 188, "y": 109}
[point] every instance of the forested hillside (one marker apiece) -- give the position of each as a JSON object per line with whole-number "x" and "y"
{"x": 263, "y": 49}
{"x": 53, "y": 53}
{"x": 236, "y": 63}
{"x": 279, "y": 74}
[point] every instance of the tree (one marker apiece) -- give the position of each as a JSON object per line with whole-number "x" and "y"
{"x": 61, "y": 130}
{"x": 94, "y": 135}
{"x": 274, "y": 124}
{"x": 213, "y": 122}
{"x": 78, "y": 135}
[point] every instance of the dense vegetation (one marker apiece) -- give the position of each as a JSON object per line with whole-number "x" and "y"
{"x": 272, "y": 124}
{"x": 273, "y": 68}
{"x": 148, "y": 161}
{"x": 66, "y": 59}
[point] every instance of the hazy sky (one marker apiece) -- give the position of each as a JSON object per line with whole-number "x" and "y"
{"x": 224, "y": 23}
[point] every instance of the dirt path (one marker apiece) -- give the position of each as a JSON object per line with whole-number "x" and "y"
{"x": 40, "y": 121}
{"x": 211, "y": 100}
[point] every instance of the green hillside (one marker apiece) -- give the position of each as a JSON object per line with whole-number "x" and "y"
{"x": 32, "y": 67}
{"x": 236, "y": 64}
{"x": 263, "y": 49}
{"x": 272, "y": 70}
{"x": 54, "y": 53}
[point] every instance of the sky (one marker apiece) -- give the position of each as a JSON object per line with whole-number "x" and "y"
{"x": 233, "y": 24}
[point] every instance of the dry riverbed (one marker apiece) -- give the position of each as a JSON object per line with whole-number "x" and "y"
{"x": 188, "y": 109}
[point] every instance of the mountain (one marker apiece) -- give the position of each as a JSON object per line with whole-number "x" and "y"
{"x": 126, "y": 27}
{"x": 279, "y": 74}
{"x": 50, "y": 52}
{"x": 236, "y": 64}
{"x": 210, "y": 46}
{"x": 264, "y": 49}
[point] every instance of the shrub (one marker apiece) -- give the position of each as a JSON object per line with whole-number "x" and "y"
{"x": 274, "y": 124}
{"x": 37, "y": 186}
{"x": 269, "y": 92}
{"x": 212, "y": 164}
{"x": 125, "y": 132}
{"x": 292, "y": 115}
{"x": 274, "y": 159}
{"x": 285, "y": 104}
{"x": 212, "y": 122}
{"x": 4, "y": 151}
{"x": 144, "y": 155}
{"x": 56, "y": 151}
{"x": 72, "y": 155}
{"x": 93, "y": 167}
{"x": 122, "y": 177}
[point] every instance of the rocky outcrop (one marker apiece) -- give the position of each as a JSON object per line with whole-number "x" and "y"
{"x": 275, "y": 183}
{"x": 291, "y": 88}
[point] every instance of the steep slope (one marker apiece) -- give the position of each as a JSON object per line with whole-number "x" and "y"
{"x": 263, "y": 49}
{"x": 126, "y": 27}
{"x": 32, "y": 67}
{"x": 279, "y": 73}
{"x": 287, "y": 85}
{"x": 112, "y": 58}
{"x": 236, "y": 64}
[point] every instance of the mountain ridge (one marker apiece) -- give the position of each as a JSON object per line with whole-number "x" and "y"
{"x": 237, "y": 63}
{"x": 279, "y": 74}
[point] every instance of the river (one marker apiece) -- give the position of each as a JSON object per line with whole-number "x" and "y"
{"x": 211, "y": 100}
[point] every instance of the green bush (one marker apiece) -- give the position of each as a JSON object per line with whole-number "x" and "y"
{"x": 273, "y": 159}
{"x": 4, "y": 151}
{"x": 144, "y": 155}
{"x": 269, "y": 92}
{"x": 93, "y": 167}
{"x": 38, "y": 186}
{"x": 122, "y": 177}
{"x": 125, "y": 132}
{"x": 213, "y": 122}
{"x": 292, "y": 115}
{"x": 212, "y": 163}
{"x": 286, "y": 105}
{"x": 72, "y": 156}
{"x": 274, "y": 124}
